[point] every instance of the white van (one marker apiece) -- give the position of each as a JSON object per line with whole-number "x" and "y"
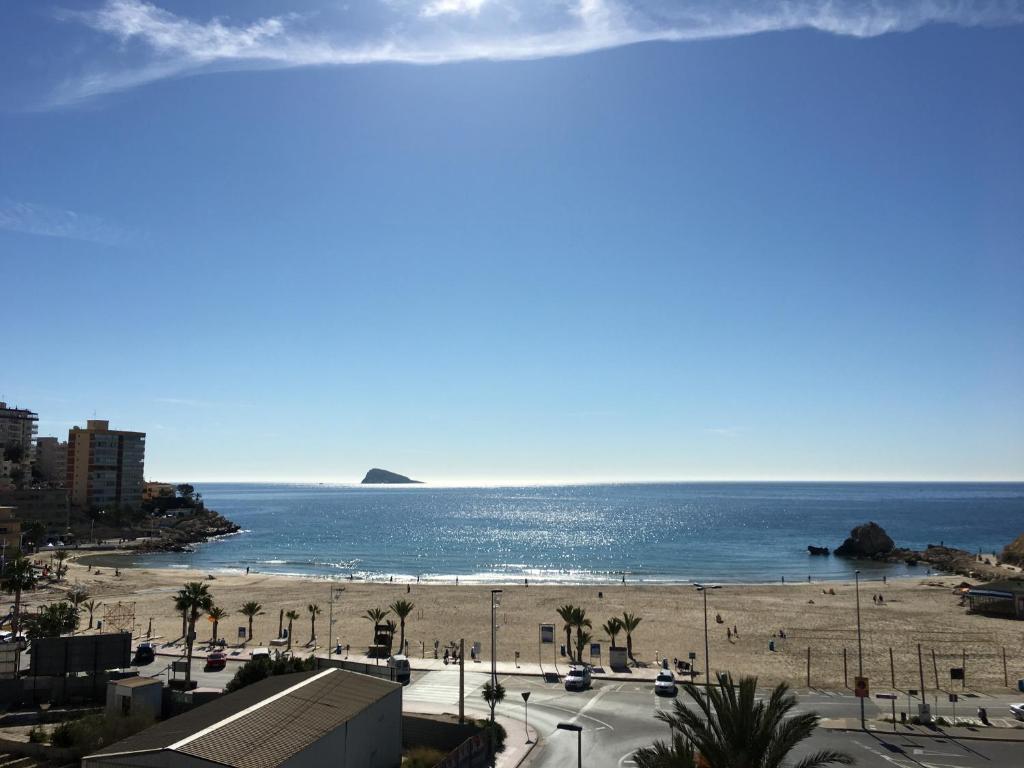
{"x": 578, "y": 677}
{"x": 402, "y": 671}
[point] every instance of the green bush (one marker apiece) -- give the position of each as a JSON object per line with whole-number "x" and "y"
{"x": 422, "y": 757}
{"x": 257, "y": 669}
{"x": 499, "y": 733}
{"x": 38, "y": 735}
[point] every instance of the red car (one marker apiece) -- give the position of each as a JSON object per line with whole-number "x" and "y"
{"x": 216, "y": 661}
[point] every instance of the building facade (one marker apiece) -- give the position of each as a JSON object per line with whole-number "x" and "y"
{"x": 51, "y": 460}
{"x": 17, "y": 434}
{"x": 105, "y": 466}
{"x": 10, "y": 530}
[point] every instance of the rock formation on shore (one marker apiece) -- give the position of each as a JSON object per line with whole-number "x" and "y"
{"x": 1013, "y": 553}
{"x": 383, "y": 477}
{"x": 869, "y": 540}
{"x": 203, "y": 525}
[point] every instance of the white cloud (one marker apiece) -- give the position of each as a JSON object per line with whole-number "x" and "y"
{"x": 42, "y": 220}
{"x": 444, "y": 7}
{"x": 154, "y": 43}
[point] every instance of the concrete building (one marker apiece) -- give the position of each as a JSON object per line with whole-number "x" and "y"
{"x": 333, "y": 717}
{"x": 105, "y": 466}
{"x": 51, "y": 460}
{"x": 153, "y": 490}
{"x": 10, "y": 530}
{"x": 136, "y": 696}
{"x": 17, "y": 427}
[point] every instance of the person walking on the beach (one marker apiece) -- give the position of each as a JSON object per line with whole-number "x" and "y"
{"x": 728, "y": 634}
{"x": 735, "y": 632}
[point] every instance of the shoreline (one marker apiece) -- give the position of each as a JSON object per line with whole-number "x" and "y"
{"x": 121, "y": 559}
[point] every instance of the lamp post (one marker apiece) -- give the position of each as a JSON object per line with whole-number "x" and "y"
{"x": 526, "y": 714}
{"x": 495, "y": 602}
{"x": 330, "y": 631}
{"x": 579, "y": 740}
{"x": 707, "y": 647}
{"x": 860, "y": 649}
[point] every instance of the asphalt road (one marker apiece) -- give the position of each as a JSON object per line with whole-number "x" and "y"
{"x": 618, "y": 717}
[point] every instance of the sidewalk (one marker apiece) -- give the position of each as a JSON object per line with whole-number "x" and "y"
{"x": 958, "y": 733}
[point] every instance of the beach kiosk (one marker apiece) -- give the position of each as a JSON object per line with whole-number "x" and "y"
{"x": 998, "y": 598}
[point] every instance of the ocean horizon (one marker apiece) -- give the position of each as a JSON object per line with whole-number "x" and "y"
{"x": 655, "y": 533}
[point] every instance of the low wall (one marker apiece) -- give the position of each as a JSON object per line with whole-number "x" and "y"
{"x": 45, "y": 752}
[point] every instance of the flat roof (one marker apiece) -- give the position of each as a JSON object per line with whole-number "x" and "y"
{"x": 265, "y": 723}
{"x": 1007, "y": 588}
{"x": 137, "y": 682}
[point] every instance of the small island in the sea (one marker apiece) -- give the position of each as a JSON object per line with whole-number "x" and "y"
{"x": 383, "y": 477}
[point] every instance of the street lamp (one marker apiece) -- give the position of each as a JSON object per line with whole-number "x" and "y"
{"x": 579, "y": 740}
{"x": 495, "y": 603}
{"x": 707, "y": 648}
{"x": 526, "y": 714}
{"x": 860, "y": 648}
{"x": 330, "y": 631}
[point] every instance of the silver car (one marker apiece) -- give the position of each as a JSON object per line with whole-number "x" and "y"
{"x": 1017, "y": 710}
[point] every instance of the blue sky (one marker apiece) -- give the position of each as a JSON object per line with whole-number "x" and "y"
{"x": 498, "y": 240}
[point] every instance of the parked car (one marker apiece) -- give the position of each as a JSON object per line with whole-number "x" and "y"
{"x": 1017, "y": 710}
{"x": 665, "y": 683}
{"x": 144, "y": 654}
{"x": 577, "y": 678}
{"x": 216, "y": 661}
{"x": 400, "y": 664}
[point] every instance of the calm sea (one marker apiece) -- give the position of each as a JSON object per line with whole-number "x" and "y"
{"x": 677, "y": 532}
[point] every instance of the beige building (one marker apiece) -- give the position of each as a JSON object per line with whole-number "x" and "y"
{"x": 52, "y": 460}
{"x": 10, "y": 530}
{"x": 105, "y": 466}
{"x": 153, "y": 490}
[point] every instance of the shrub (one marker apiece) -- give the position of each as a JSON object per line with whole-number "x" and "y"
{"x": 257, "y": 669}
{"x": 94, "y": 732}
{"x": 422, "y": 757}
{"x": 38, "y": 735}
{"x": 499, "y": 733}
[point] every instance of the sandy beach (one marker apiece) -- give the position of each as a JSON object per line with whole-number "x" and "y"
{"x": 916, "y": 611}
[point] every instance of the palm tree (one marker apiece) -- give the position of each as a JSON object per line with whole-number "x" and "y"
{"x": 375, "y": 616}
{"x": 493, "y": 693}
{"x": 18, "y": 576}
{"x": 629, "y": 624}
{"x": 730, "y": 728}
{"x": 581, "y": 622}
{"x": 196, "y": 598}
{"x": 291, "y": 616}
{"x": 402, "y": 609}
{"x": 612, "y": 627}
{"x": 314, "y": 611}
{"x": 60, "y": 569}
{"x": 76, "y": 596}
{"x": 565, "y": 613}
{"x": 392, "y": 626}
{"x": 216, "y": 614}
{"x": 251, "y": 610}
{"x": 181, "y": 606}
{"x": 91, "y": 606}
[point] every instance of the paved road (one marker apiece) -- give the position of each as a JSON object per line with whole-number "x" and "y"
{"x": 617, "y": 717}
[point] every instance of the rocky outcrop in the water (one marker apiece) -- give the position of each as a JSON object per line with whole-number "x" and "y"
{"x": 383, "y": 477}
{"x": 868, "y": 541}
{"x": 1013, "y": 553}
{"x": 202, "y": 525}
{"x": 813, "y": 550}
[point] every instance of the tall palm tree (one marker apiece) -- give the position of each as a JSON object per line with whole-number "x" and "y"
{"x": 291, "y": 616}
{"x": 730, "y": 728}
{"x": 581, "y": 623}
{"x": 59, "y": 569}
{"x": 216, "y": 614}
{"x": 76, "y": 596}
{"x": 565, "y": 613}
{"x": 18, "y": 576}
{"x": 402, "y": 609}
{"x": 251, "y": 610}
{"x": 612, "y": 627}
{"x": 91, "y": 606}
{"x": 629, "y": 624}
{"x": 196, "y": 598}
{"x": 375, "y": 616}
{"x": 493, "y": 693}
{"x": 181, "y": 606}
{"x": 314, "y": 611}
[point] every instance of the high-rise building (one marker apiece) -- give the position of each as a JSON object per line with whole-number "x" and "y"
{"x": 105, "y": 466}
{"x": 17, "y": 427}
{"x": 51, "y": 460}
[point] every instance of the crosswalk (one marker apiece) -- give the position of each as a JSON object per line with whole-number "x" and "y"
{"x": 442, "y": 688}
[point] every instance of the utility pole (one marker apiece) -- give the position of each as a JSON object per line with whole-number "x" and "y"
{"x": 462, "y": 681}
{"x": 860, "y": 648}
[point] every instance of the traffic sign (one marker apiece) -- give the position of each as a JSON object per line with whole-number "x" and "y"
{"x": 956, "y": 673}
{"x": 886, "y": 696}
{"x": 953, "y": 698}
{"x": 860, "y": 688}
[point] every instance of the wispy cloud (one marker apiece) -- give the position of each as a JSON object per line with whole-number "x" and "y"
{"x": 42, "y": 220}
{"x": 151, "y": 43}
{"x": 724, "y": 431}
